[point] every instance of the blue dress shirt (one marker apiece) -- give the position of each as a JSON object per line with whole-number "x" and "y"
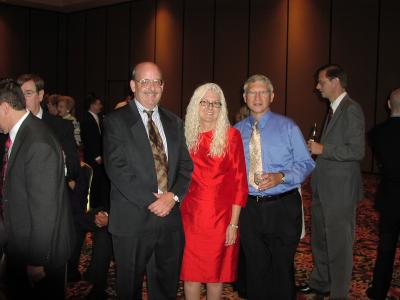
{"x": 283, "y": 150}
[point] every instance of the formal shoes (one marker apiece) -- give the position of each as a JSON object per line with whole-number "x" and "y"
{"x": 304, "y": 288}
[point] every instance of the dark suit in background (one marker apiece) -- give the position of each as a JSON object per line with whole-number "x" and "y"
{"x": 385, "y": 142}
{"x": 37, "y": 212}
{"x": 64, "y": 132}
{"x": 99, "y": 201}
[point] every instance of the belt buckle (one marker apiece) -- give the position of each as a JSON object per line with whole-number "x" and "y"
{"x": 258, "y": 198}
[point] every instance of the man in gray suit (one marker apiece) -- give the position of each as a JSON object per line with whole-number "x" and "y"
{"x": 337, "y": 186}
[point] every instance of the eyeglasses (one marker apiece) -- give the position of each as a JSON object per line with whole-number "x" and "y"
{"x": 212, "y": 104}
{"x": 29, "y": 93}
{"x": 148, "y": 82}
{"x": 260, "y": 93}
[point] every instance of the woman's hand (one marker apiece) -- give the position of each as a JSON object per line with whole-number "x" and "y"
{"x": 231, "y": 235}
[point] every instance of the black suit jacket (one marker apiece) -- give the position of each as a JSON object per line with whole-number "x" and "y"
{"x": 91, "y": 139}
{"x": 386, "y": 145}
{"x": 37, "y": 213}
{"x": 130, "y": 166}
{"x": 64, "y": 132}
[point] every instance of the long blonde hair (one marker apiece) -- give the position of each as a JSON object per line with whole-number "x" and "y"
{"x": 192, "y": 121}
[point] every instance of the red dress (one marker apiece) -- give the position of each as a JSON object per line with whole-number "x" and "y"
{"x": 216, "y": 184}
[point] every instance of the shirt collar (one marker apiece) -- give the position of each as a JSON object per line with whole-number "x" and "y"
{"x": 141, "y": 108}
{"x": 14, "y": 130}
{"x": 40, "y": 113}
{"x": 262, "y": 121}
{"x": 335, "y": 104}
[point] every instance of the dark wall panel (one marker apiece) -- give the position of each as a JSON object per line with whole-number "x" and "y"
{"x": 198, "y": 47}
{"x": 354, "y": 47}
{"x": 76, "y": 71}
{"x": 231, "y": 50}
{"x": 308, "y": 50}
{"x": 169, "y": 23}
{"x": 14, "y": 45}
{"x": 268, "y": 45}
{"x": 143, "y": 30}
{"x": 44, "y": 40}
{"x": 118, "y": 42}
{"x": 62, "y": 54}
{"x": 95, "y": 51}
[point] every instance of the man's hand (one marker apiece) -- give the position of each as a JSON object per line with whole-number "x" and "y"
{"x": 35, "y": 274}
{"x": 163, "y": 205}
{"x": 101, "y": 219}
{"x": 315, "y": 148}
{"x": 72, "y": 184}
{"x": 269, "y": 180}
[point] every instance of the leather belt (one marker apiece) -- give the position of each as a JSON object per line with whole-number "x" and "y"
{"x": 271, "y": 198}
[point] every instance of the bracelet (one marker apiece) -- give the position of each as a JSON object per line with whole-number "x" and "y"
{"x": 234, "y": 226}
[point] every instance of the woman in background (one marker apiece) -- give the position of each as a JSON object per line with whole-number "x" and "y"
{"x": 210, "y": 211}
{"x": 66, "y": 109}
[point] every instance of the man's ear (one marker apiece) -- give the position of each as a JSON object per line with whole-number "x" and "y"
{"x": 390, "y": 107}
{"x": 132, "y": 85}
{"x": 41, "y": 95}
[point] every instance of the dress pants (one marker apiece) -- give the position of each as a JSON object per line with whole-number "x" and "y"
{"x": 132, "y": 255}
{"x": 332, "y": 238}
{"x": 97, "y": 271}
{"x": 270, "y": 232}
{"x": 389, "y": 230}
{"x": 51, "y": 287}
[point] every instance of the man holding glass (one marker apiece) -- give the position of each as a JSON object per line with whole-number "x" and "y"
{"x": 277, "y": 162}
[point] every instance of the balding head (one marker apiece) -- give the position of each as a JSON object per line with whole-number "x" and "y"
{"x": 394, "y": 102}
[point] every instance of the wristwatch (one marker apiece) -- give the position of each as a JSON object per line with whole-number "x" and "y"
{"x": 283, "y": 177}
{"x": 176, "y": 198}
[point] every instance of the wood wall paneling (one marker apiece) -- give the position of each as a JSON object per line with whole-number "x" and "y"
{"x": 143, "y": 30}
{"x": 76, "y": 65}
{"x": 354, "y": 47}
{"x": 198, "y": 47}
{"x": 268, "y": 45}
{"x": 62, "y": 54}
{"x": 308, "y": 44}
{"x": 169, "y": 31}
{"x": 15, "y": 43}
{"x": 231, "y": 50}
{"x": 95, "y": 51}
{"x": 43, "y": 50}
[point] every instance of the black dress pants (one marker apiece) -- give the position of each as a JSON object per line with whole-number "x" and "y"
{"x": 270, "y": 232}
{"x": 389, "y": 230}
{"x": 132, "y": 255}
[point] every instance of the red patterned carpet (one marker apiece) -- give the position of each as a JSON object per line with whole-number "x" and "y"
{"x": 364, "y": 253}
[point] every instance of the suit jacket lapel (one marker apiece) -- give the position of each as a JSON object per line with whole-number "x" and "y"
{"x": 18, "y": 141}
{"x": 335, "y": 117}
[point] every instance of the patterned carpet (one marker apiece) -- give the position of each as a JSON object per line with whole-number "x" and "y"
{"x": 364, "y": 254}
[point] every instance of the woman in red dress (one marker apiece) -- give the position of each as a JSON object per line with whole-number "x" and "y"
{"x": 210, "y": 210}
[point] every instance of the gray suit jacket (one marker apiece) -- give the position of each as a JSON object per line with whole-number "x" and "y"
{"x": 37, "y": 214}
{"x": 130, "y": 166}
{"x": 337, "y": 176}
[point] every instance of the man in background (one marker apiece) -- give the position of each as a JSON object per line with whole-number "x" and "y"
{"x": 36, "y": 207}
{"x": 336, "y": 187}
{"x": 386, "y": 145}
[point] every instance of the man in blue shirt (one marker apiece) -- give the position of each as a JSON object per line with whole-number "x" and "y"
{"x": 271, "y": 221}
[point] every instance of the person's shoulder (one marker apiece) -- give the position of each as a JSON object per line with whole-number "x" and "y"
{"x": 169, "y": 114}
{"x": 281, "y": 119}
{"x": 241, "y": 124}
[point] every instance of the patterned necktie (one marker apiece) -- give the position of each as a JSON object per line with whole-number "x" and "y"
{"x": 255, "y": 154}
{"x": 4, "y": 165}
{"x": 160, "y": 158}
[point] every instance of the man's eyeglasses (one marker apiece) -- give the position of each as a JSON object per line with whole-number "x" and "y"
{"x": 29, "y": 93}
{"x": 260, "y": 93}
{"x": 212, "y": 104}
{"x": 148, "y": 82}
